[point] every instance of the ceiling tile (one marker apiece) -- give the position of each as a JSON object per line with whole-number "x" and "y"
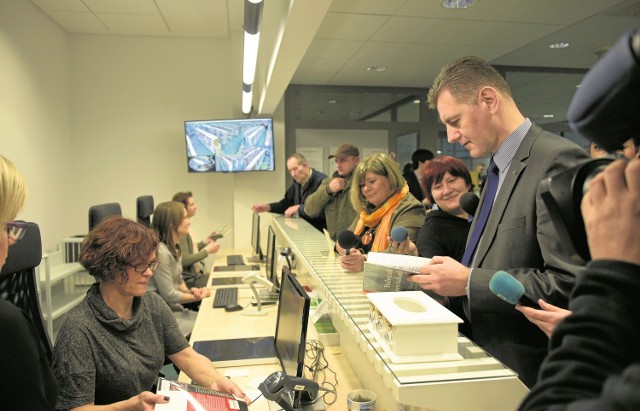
{"x": 140, "y": 24}
{"x": 122, "y": 6}
{"x": 61, "y": 5}
{"x": 203, "y": 17}
{"x": 76, "y": 22}
{"x": 385, "y": 7}
{"x": 349, "y": 26}
{"x": 333, "y": 49}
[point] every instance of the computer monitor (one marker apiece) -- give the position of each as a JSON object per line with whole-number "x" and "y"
{"x": 255, "y": 239}
{"x": 291, "y": 328}
{"x": 271, "y": 260}
{"x": 98, "y": 213}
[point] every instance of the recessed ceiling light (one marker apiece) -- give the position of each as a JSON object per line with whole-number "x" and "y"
{"x": 332, "y": 101}
{"x": 559, "y": 45}
{"x": 416, "y": 101}
{"x": 376, "y": 68}
{"x": 458, "y": 4}
{"x": 548, "y": 116}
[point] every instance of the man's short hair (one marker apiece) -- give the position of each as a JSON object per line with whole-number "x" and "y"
{"x": 420, "y": 156}
{"x": 464, "y": 78}
{"x": 301, "y": 159}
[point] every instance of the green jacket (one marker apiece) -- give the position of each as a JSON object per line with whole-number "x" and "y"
{"x": 337, "y": 207}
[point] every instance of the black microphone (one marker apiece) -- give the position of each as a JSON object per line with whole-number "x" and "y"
{"x": 347, "y": 240}
{"x": 507, "y": 287}
{"x": 399, "y": 234}
{"x": 469, "y": 202}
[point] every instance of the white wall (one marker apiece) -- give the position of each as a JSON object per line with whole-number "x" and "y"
{"x": 328, "y": 140}
{"x": 100, "y": 119}
{"x": 35, "y": 114}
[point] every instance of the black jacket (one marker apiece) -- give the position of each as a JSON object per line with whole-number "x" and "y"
{"x": 296, "y": 194}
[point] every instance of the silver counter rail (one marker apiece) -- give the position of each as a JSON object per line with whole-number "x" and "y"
{"x": 476, "y": 382}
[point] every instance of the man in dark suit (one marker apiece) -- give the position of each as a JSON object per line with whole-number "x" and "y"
{"x": 415, "y": 174}
{"x": 476, "y": 106}
{"x": 305, "y": 182}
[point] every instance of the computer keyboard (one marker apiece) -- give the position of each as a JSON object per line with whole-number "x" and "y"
{"x": 225, "y": 296}
{"x": 235, "y": 259}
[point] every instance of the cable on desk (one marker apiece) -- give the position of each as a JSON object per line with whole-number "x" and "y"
{"x": 319, "y": 368}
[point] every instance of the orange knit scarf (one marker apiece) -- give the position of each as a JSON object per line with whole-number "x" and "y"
{"x": 381, "y": 216}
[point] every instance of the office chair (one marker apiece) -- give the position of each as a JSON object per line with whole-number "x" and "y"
{"x": 144, "y": 209}
{"x": 97, "y": 213}
{"x": 18, "y": 280}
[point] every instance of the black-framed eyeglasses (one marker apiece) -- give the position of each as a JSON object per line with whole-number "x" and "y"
{"x": 16, "y": 230}
{"x": 142, "y": 268}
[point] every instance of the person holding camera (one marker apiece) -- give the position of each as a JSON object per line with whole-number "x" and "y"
{"x": 594, "y": 362}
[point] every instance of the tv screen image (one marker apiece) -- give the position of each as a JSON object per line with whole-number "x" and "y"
{"x": 229, "y": 145}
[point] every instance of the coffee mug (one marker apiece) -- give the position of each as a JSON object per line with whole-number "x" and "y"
{"x": 361, "y": 400}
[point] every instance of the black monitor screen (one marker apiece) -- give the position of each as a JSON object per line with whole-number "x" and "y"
{"x": 271, "y": 260}
{"x": 291, "y": 329}
{"x": 229, "y": 145}
{"x": 255, "y": 237}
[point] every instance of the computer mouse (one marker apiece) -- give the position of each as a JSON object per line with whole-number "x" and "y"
{"x": 231, "y": 308}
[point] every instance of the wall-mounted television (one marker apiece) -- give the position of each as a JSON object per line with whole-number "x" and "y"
{"x": 231, "y": 145}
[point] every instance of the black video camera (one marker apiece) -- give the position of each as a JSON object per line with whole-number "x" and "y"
{"x": 605, "y": 110}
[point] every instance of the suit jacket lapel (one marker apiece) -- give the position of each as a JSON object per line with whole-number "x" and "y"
{"x": 518, "y": 164}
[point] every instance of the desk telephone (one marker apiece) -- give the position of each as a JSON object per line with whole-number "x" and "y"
{"x": 278, "y": 386}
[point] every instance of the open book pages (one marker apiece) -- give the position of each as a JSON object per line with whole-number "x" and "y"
{"x": 402, "y": 262}
{"x": 188, "y": 397}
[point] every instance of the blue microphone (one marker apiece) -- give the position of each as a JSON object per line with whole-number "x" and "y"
{"x": 507, "y": 287}
{"x": 399, "y": 234}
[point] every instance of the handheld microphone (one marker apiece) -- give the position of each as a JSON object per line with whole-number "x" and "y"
{"x": 469, "y": 203}
{"x": 399, "y": 234}
{"x": 507, "y": 287}
{"x": 347, "y": 240}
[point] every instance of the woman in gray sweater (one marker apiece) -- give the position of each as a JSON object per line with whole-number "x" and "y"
{"x": 111, "y": 347}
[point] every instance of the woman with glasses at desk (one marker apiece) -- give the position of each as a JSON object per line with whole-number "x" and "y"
{"x": 111, "y": 347}
{"x": 382, "y": 199}
{"x": 25, "y": 375}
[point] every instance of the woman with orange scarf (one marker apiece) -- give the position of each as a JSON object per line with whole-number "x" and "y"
{"x": 381, "y": 197}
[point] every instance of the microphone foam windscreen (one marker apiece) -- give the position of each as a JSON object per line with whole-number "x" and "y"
{"x": 469, "y": 203}
{"x": 347, "y": 240}
{"x": 399, "y": 234}
{"x": 505, "y": 286}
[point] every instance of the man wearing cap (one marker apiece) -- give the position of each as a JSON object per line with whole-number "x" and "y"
{"x": 332, "y": 196}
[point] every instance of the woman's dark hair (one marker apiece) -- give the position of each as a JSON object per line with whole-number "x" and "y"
{"x": 115, "y": 244}
{"x": 436, "y": 169}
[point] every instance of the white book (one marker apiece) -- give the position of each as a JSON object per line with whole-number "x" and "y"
{"x": 402, "y": 262}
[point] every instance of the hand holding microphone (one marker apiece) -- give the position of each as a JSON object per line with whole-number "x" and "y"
{"x": 347, "y": 240}
{"x": 400, "y": 245}
{"x": 507, "y": 287}
{"x": 351, "y": 261}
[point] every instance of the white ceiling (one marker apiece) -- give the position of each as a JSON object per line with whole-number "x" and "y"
{"x": 328, "y": 42}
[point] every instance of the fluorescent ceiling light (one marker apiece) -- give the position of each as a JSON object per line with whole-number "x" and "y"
{"x": 247, "y": 98}
{"x": 250, "y": 57}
